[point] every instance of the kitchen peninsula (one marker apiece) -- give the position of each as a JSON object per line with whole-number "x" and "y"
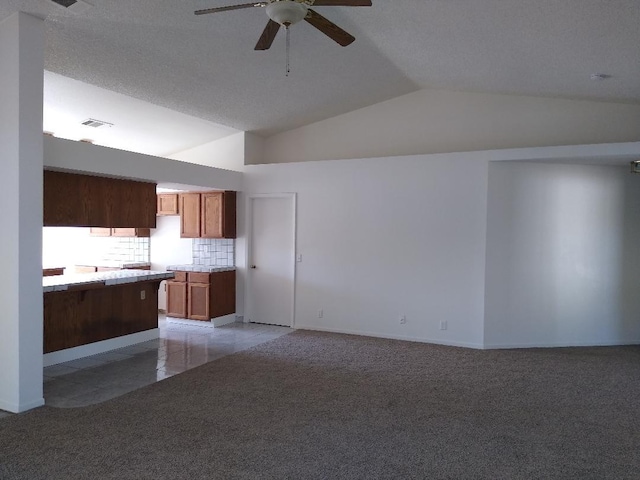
{"x": 83, "y": 309}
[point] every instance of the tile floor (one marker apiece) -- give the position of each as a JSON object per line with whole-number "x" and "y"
{"x": 180, "y": 347}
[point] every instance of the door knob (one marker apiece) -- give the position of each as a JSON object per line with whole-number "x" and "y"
{"x": 253, "y": 266}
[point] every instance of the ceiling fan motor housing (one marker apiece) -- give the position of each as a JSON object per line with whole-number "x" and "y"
{"x": 286, "y": 12}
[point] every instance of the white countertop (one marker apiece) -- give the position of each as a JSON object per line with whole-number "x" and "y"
{"x": 199, "y": 268}
{"x": 63, "y": 282}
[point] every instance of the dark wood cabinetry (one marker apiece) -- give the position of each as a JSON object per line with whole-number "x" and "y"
{"x": 87, "y": 314}
{"x": 201, "y": 296}
{"x": 75, "y": 200}
{"x": 208, "y": 214}
{"x": 51, "y": 272}
{"x": 167, "y": 204}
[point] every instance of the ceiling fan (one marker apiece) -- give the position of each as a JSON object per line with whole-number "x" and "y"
{"x": 288, "y": 12}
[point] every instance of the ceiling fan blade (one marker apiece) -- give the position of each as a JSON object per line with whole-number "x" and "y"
{"x": 268, "y": 35}
{"x": 342, "y": 3}
{"x": 329, "y": 28}
{"x": 231, "y": 7}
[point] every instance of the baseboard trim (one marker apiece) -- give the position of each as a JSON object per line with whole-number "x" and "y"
{"x": 14, "y": 408}
{"x": 96, "y": 348}
{"x": 224, "y": 320}
{"x": 447, "y": 343}
{"x": 503, "y": 346}
{"x": 216, "y": 322}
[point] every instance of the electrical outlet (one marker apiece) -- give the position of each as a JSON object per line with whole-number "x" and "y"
{"x": 403, "y": 319}
{"x": 443, "y": 325}
{"x": 143, "y": 294}
{"x": 320, "y": 313}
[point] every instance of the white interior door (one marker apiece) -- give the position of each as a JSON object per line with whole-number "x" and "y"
{"x": 271, "y": 272}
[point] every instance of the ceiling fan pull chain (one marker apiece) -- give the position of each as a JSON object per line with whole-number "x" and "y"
{"x": 288, "y": 48}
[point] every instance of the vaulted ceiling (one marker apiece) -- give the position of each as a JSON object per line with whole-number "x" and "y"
{"x": 205, "y": 66}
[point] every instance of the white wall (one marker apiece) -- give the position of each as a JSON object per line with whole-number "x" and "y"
{"x": 65, "y": 247}
{"x": 387, "y": 237}
{"x": 437, "y": 121}
{"x": 93, "y": 159}
{"x": 563, "y": 263}
{"x": 227, "y": 153}
{"x": 167, "y": 248}
{"x": 22, "y": 60}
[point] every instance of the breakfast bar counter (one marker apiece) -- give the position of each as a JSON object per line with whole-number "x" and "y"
{"x": 85, "y": 308}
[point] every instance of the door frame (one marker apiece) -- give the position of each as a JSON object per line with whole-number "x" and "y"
{"x": 292, "y": 196}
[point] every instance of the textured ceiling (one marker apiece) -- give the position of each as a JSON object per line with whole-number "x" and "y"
{"x": 205, "y": 66}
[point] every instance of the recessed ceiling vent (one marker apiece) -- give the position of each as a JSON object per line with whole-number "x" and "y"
{"x": 92, "y": 122}
{"x": 75, "y": 6}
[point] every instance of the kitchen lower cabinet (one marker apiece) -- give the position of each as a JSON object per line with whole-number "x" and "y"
{"x": 176, "y": 299}
{"x": 50, "y": 272}
{"x": 201, "y": 296}
{"x": 88, "y": 313}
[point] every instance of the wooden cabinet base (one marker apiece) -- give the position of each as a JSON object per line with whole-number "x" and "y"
{"x": 201, "y": 296}
{"x": 80, "y": 317}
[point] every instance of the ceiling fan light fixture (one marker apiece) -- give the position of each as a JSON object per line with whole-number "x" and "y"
{"x": 286, "y": 12}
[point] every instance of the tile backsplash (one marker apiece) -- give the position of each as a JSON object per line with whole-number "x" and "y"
{"x": 213, "y": 251}
{"x": 121, "y": 249}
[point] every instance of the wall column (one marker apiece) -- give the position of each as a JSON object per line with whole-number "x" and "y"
{"x": 21, "y": 164}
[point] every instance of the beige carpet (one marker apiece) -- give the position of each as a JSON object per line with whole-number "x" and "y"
{"x": 325, "y": 406}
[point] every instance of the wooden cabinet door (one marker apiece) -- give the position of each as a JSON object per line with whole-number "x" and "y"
{"x": 84, "y": 269}
{"x": 176, "y": 299}
{"x": 100, "y": 232}
{"x": 130, "y": 232}
{"x": 199, "y": 295}
{"x": 167, "y": 204}
{"x": 76, "y": 200}
{"x": 123, "y": 232}
{"x": 223, "y": 289}
{"x": 229, "y": 215}
{"x": 189, "y": 215}
{"x": 212, "y": 207}
{"x": 51, "y": 272}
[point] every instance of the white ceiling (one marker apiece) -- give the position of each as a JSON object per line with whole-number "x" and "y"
{"x": 205, "y": 66}
{"x": 137, "y": 126}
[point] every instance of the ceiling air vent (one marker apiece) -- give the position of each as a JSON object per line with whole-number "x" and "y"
{"x": 92, "y": 122}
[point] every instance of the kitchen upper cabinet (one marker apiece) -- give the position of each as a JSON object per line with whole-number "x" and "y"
{"x": 208, "y": 214}
{"x": 76, "y": 200}
{"x": 120, "y": 232}
{"x": 100, "y": 232}
{"x": 167, "y": 204}
{"x": 212, "y": 215}
{"x": 190, "y": 215}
